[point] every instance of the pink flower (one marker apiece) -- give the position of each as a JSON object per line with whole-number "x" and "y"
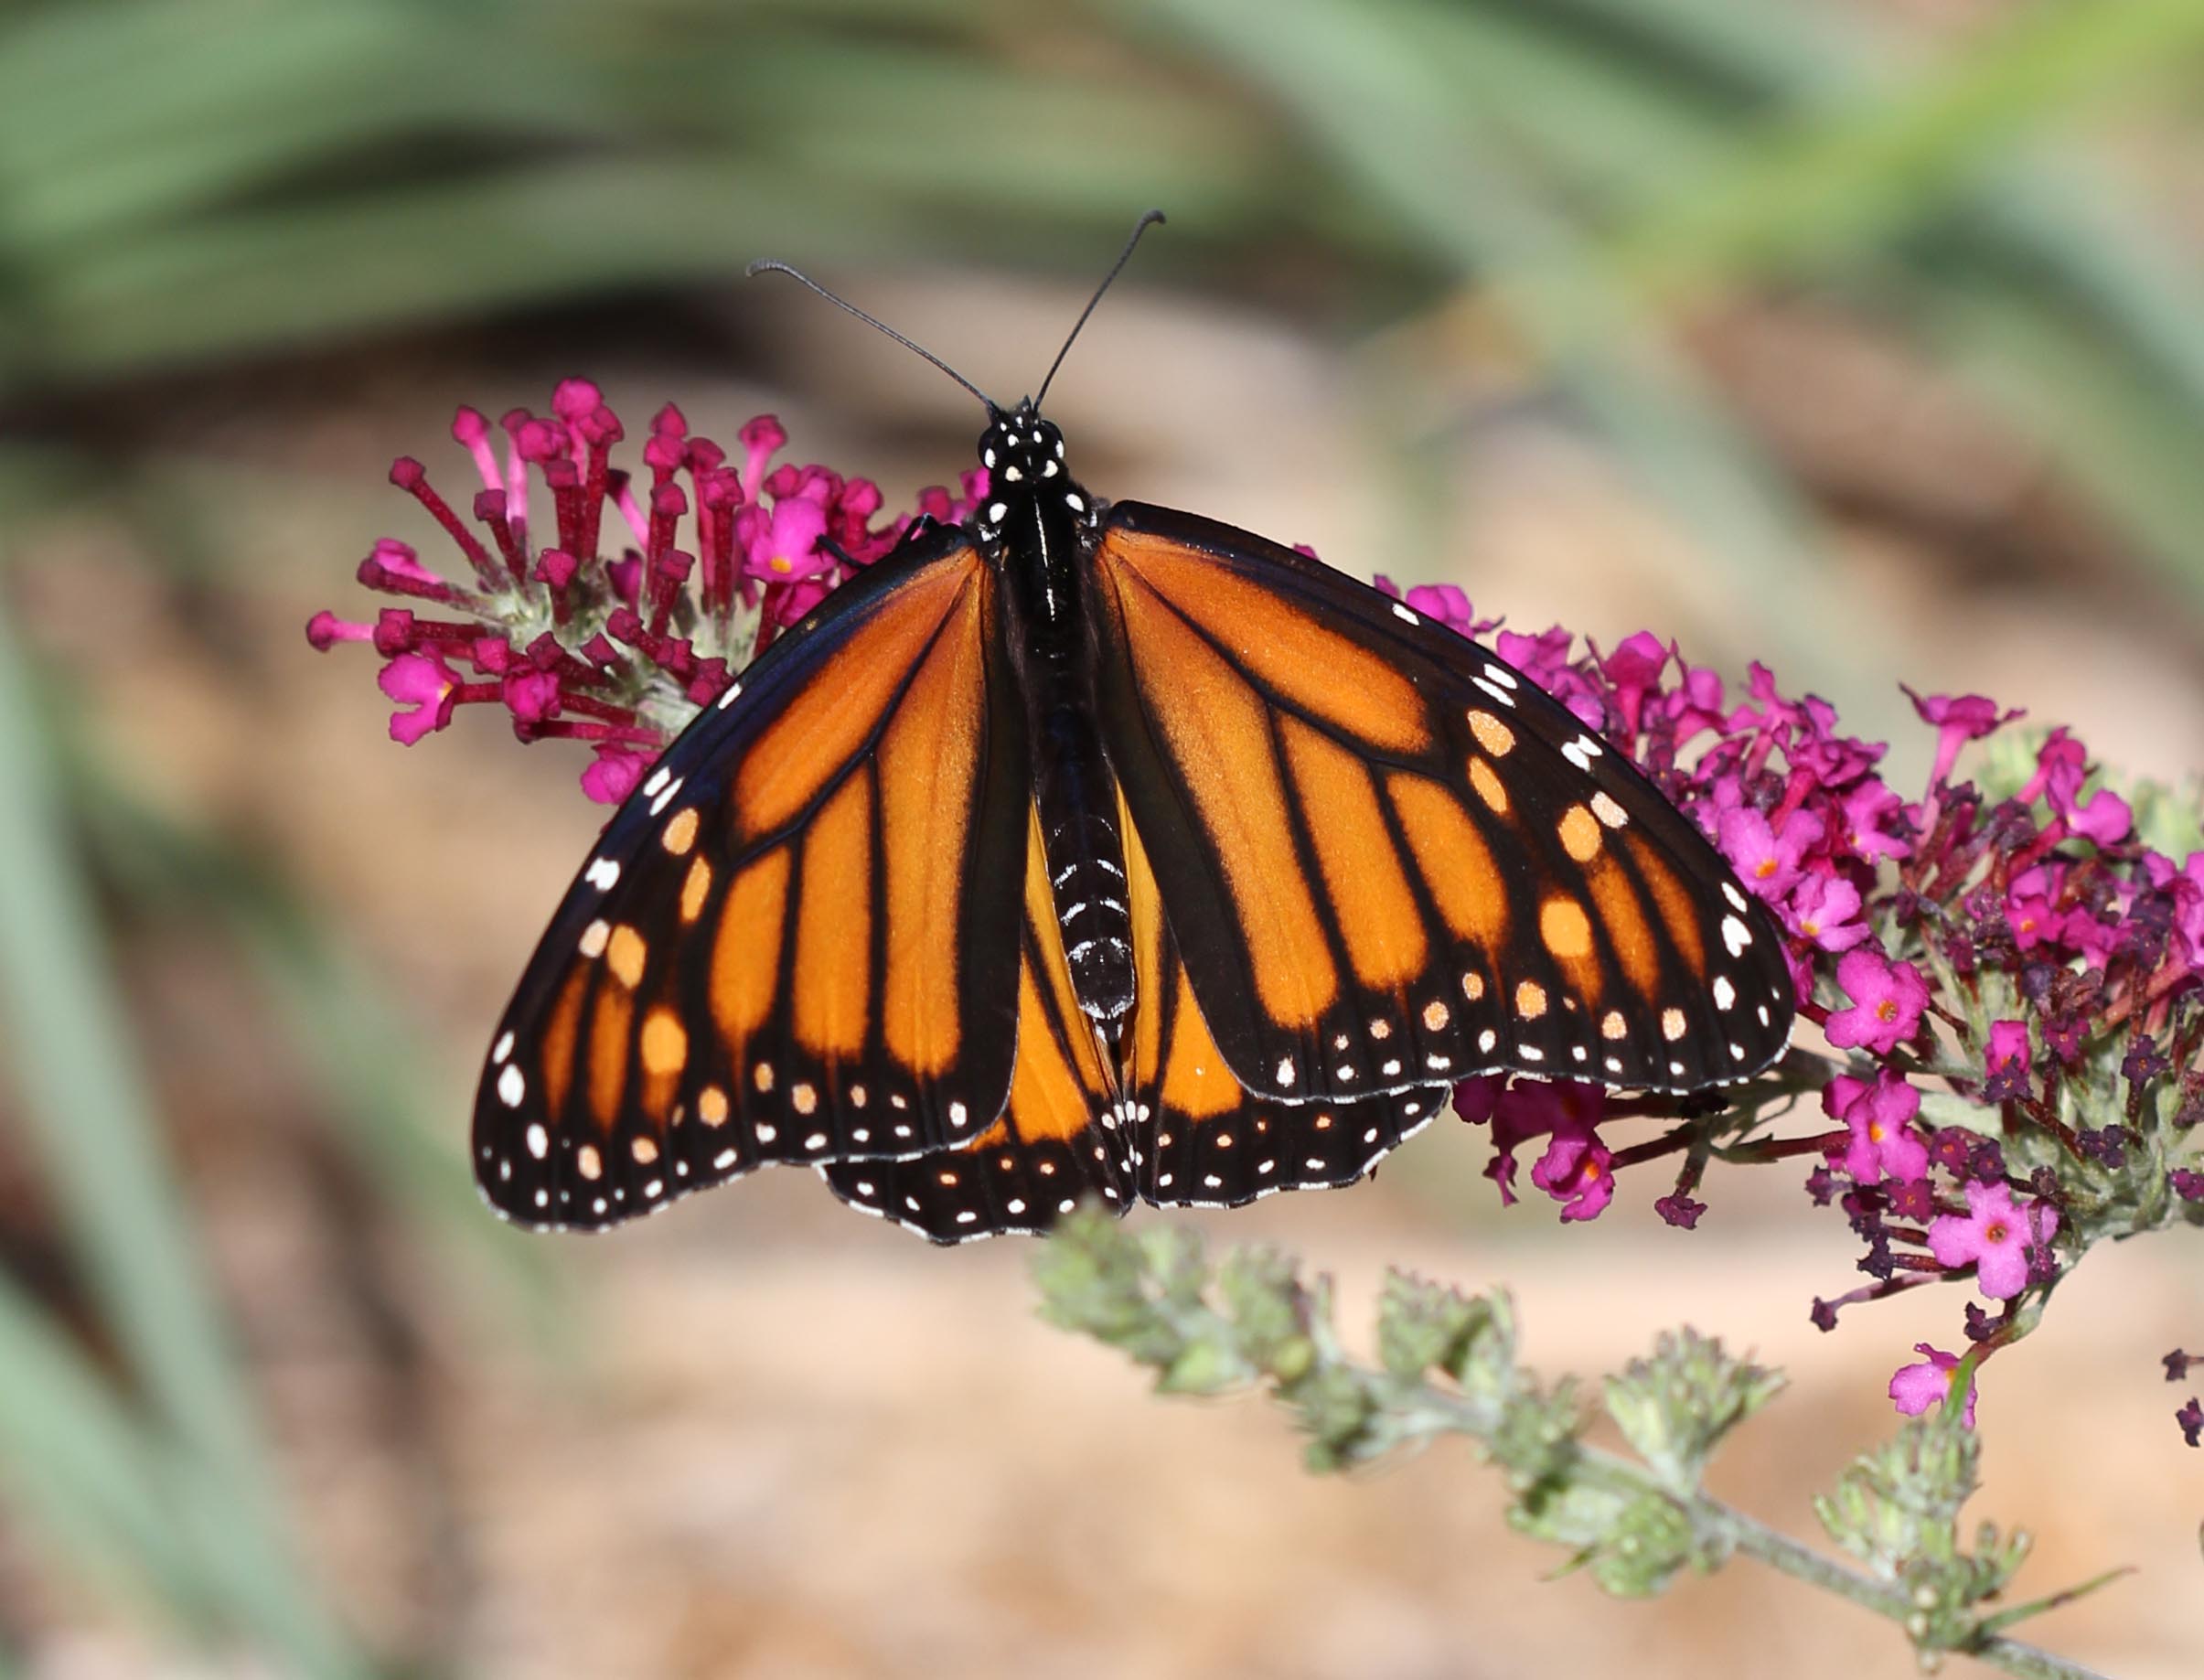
{"x": 1634, "y": 668}
{"x": 1914, "y": 1388}
{"x": 1766, "y": 860}
{"x": 782, "y": 542}
{"x": 1575, "y": 1169}
{"x": 613, "y": 775}
{"x": 1869, "y": 810}
{"x": 2006, "y": 1063}
{"x": 2061, "y": 764}
{"x": 1879, "y": 1114}
{"x": 1959, "y": 719}
{"x": 424, "y": 687}
{"x": 1887, "y": 1001}
{"x": 2105, "y": 819}
{"x": 1822, "y": 909}
{"x": 650, "y": 588}
{"x": 1996, "y": 1238}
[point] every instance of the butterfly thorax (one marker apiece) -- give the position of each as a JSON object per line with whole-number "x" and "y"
{"x": 1037, "y": 526}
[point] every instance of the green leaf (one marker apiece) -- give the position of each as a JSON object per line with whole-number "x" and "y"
{"x": 96, "y": 1140}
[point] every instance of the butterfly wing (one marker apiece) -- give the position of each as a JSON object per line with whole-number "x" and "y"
{"x": 1205, "y": 1138}
{"x": 1059, "y": 1138}
{"x": 1387, "y": 859}
{"x": 788, "y": 945}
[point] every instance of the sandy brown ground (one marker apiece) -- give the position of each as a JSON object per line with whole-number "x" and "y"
{"x": 784, "y": 1442}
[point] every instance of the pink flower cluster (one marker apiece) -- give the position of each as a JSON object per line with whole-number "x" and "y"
{"x": 2008, "y": 951}
{"x": 649, "y": 593}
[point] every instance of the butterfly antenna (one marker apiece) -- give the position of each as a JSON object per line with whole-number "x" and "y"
{"x": 772, "y": 265}
{"x": 1147, "y": 221}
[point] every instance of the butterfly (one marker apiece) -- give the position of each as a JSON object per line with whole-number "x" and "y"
{"x": 1092, "y": 850}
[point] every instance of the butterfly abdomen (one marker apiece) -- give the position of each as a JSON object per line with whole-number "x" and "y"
{"x": 1077, "y": 803}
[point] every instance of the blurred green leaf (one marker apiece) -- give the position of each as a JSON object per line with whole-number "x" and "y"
{"x": 98, "y": 1142}
{"x": 1856, "y": 174}
{"x": 94, "y": 1474}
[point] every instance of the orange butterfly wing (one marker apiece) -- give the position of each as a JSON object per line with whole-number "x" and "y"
{"x": 790, "y": 944}
{"x": 1204, "y": 1139}
{"x": 1060, "y": 1137}
{"x": 1386, "y": 859}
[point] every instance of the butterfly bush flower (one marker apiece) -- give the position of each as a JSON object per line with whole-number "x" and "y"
{"x": 1916, "y": 1387}
{"x": 611, "y": 621}
{"x": 2014, "y": 948}
{"x": 2011, "y": 943}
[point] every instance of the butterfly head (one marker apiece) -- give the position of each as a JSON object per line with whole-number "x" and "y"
{"x": 1021, "y": 453}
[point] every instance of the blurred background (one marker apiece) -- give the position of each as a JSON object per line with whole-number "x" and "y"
{"x": 1865, "y": 337}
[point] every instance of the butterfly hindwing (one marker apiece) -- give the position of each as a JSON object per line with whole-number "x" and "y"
{"x": 1060, "y": 1137}
{"x": 1388, "y": 859}
{"x": 1204, "y": 1138}
{"x": 790, "y": 942}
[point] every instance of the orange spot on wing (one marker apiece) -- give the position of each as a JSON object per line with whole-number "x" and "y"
{"x": 1678, "y": 914}
{"x": 746, "y": 954}
{"x": 1216, "y": 730}
{"x": 695, "y": 888}
{"x": 833, "y": 924}
{"x": 1318, "y": 669}
{"x": 1492, "y": 735}
{"x": 607, "y": 1055}
{"x": 679, "y": 832}
{"x": 1579, "y": 834}
{"x": 1377, "y": 912}
{"x": 1622, "y": 919}
{"x": 928, "y": 757}
{"x": 1452, "y": 856}
{"x": 1565, "y": 927}
{"x": 828, "y": 721}
{"x": 1489, "y": 786}
{"x": 624, "y": 956}
{"x": 663, "y": 1050}
{"x": 561, "y": 1033}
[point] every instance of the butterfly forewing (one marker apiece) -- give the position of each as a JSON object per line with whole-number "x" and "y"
{"x": 791, "y": 943}
{"x": 1387, "y": 859}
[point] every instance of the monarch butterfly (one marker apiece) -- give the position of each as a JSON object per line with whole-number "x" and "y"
{"x": 1091, "y": 849}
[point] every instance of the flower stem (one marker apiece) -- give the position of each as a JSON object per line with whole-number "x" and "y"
{"x": 1746, "y": 1534}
